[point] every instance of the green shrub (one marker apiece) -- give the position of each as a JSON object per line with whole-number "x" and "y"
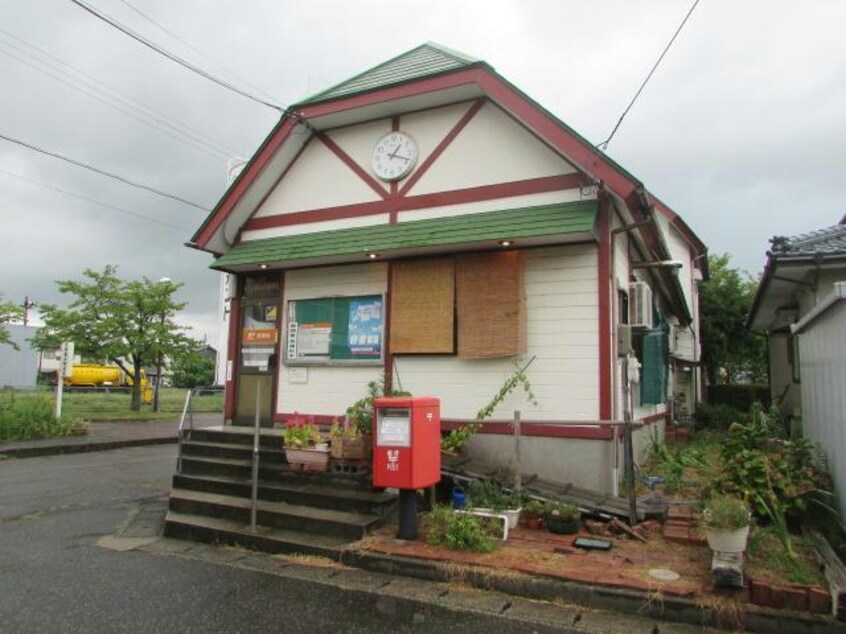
{"x": 723, "y": 512}
{"x": 739, "y": 396}
{"x": 718, "y": 416}
{"x": 461, "y": 531}
{"x": 489, "y": 494}
{"x": 30, "y": 417}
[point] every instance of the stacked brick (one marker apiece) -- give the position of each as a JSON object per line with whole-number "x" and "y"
{"x": 682, "y": 527}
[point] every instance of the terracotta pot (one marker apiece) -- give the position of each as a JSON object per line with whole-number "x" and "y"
{"x": 534, "y": 523}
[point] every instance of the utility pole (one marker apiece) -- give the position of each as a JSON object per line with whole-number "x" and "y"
{"x": 26, "y": 306}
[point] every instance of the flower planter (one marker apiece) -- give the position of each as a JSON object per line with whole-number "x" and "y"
{"x": 513, "y": 516}
{"x": 356, "y": 448}
{"x": 310, "y": 459}
{"x": 534, "y": 523}
{"x": 727, "y": 541}
{"x": 562, "y": 524}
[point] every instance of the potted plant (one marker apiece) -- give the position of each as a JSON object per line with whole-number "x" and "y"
{"x": 533, "y": 512}
{"x": 348, "y": 442}
{"x": 562, "y": 518}
{"x": 489, "y": 496}
{"x": 726, "y": 522}
{"x": 304, "y": 447}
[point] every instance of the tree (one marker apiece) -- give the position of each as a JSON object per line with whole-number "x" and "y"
{"x": 730, "y": 351}
{"x": 129, "y": 323}
{"x": 9, "y": 312}
{"x": 191, "y": 368}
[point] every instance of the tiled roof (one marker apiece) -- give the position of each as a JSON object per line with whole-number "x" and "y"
{"x": 826, "y": 241}
{"x": 426, "y": 59}
{"x": 527, "y": 222}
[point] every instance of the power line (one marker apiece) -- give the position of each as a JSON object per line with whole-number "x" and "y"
{"x": 93, "y": 201}
{"x": 605, "y": 143}
{"x": 144, "y": 109}
{"x": 102, "y": 172}
{"x": 196, "y": 50}
{"x": 171, "y": 56}
{"x": 214, "y": 153}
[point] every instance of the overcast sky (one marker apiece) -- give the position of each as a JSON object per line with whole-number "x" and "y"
{"x": 740, "y": 130}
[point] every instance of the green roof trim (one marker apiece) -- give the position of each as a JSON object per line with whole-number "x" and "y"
{"x": 514, "y": 224}
{"x": 427, "y": 59}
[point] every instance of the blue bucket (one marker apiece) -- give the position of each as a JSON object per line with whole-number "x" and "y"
{"x": 459, "y": 498}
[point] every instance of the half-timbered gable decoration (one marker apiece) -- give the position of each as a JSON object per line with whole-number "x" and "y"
{"x": 429, "y": 222}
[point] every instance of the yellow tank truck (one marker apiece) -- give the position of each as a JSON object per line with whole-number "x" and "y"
{"x": 97, "y": 375}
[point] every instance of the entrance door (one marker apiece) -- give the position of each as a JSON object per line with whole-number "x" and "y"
{"x": 258, "y": 365}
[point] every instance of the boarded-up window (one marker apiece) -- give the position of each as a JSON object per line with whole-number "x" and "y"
{"x": 491, "y": 310}
{"x": 422, "y": 306}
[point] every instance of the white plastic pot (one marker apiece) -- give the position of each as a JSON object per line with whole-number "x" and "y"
{"x": 513, "y": 516}
{"x": 727, "y": 541}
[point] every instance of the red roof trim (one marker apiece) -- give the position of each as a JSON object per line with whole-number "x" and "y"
{"x": 409, "y": 203}
{"x": 245, "y": 180}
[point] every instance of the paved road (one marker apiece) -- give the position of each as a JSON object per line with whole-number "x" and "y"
{"x": 55, "y": 578}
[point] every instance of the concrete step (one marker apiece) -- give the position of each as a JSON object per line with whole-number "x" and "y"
{"x": 326, "y": 496}
{"x": 269, "y": 471}
{"x": 234, "y": 533}
{"x": 234, "y": 437}
{"x": 293, "y": 517}
{"x": 225, "y": 450}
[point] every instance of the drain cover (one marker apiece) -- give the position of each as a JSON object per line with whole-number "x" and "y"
{"x": 662, "y": 574}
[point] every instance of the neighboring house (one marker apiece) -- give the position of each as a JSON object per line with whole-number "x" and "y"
{"x": 800, "y": 305}
{"x": 19, "y": 368}
{"x": 800, "y": 272}
{"x": 428, "y": 221}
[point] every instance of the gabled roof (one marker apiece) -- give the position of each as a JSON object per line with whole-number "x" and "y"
{"x": 427, "y": 59}
{"x": 528, "y": 225}
{"x": 790, "y": 263}
{"x": 831, "y": 240}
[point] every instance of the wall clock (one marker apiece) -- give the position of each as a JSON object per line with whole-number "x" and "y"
{"x": 394, "y": 156}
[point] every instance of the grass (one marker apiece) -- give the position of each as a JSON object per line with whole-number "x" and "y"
{"x": 767, "y": 558}
{"x": 115, "y": 406}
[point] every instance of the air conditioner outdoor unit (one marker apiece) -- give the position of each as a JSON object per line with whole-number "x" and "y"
{"x": 640, "y": 305}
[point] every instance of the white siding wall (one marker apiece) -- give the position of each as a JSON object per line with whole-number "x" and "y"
{"x": 562, "y": 333}
{"x": 329, "y": 390}
{"x": 822, "y": 354}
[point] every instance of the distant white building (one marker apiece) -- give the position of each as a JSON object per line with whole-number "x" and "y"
{"x": 19, "y": 368}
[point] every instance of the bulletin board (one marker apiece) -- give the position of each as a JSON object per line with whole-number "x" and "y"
{"x": 329, "y": 329}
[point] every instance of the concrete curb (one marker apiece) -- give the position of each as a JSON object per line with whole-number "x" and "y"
{"x": 97, "y": 445}
{"x": 656, "y": 605}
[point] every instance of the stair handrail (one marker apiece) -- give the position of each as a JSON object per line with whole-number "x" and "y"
{"x": 180, "y": 433}
{"x": 256, "y": 442}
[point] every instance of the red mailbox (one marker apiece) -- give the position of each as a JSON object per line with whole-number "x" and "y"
{"x": 407, "y": 442}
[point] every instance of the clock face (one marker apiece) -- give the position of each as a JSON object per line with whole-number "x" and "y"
{"x": 394, "y": 156}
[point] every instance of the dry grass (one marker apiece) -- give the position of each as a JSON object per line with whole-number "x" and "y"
{"x": 313, "y": 561}
{"x": 722, "y": 611}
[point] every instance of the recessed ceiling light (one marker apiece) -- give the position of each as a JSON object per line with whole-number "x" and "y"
{"x": 372, "y": 256}
{"x": 263, "y": 266}
{"x": 506, "y": 243}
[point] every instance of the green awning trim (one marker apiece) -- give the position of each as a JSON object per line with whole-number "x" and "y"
{"x": 527, "y": 222}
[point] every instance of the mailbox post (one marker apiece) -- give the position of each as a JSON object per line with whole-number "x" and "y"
{"x": 407, "y": 451}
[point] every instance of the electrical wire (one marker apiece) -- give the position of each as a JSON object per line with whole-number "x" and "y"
{"x": 171, "y": 56}
{"x": 91, "y": 168}
{"x": 196, "y": 50}
{"x": 215, "y": 154}
{"x": 95, "y": 201}
{"x": 604, "y": 144}
{"x": 144, "y": 109}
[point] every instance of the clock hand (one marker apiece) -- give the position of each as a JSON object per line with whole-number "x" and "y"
{"x": 396, "y": 149}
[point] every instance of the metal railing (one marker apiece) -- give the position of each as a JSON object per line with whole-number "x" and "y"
{"x": 181, "y": 432}
{"x": 256, "y": 442}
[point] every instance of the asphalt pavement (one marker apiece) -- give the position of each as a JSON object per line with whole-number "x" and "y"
{"x": 54, "y": 577}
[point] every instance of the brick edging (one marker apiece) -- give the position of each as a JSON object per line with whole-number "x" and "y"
{"x": 665, "y": 607}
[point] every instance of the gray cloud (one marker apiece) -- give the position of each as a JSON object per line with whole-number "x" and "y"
{"x": 738, "y": 130}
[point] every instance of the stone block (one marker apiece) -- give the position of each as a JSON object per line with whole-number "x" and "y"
{"x": 796, "y": 598}
{"x": 760, "y": 593}
{"x": 819, "y": 601}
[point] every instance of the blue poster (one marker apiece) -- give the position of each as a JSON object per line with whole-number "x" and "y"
{"x": 365, "y": 328}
